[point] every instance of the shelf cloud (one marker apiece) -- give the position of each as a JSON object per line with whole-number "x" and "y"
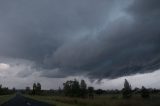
{"x": 97, "y": 39}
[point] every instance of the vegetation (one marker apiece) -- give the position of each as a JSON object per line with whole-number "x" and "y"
{"x": 76, "y": 93}
{"x": 6, "y": 91}
{"x": 5, "y": 98}
{"x": 144, "y": 92}
{"x": 103, "y": 100}
{"x": 76, "y": 89}
{"x": 127, "y": 90}
{"x": 36, "y": 89}
{"x": 6, "y": 94}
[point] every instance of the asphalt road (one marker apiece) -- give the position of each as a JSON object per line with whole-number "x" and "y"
{"x": 19, "y": 100}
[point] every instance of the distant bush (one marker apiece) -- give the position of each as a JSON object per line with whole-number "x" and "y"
{"x": 144, "y": 92}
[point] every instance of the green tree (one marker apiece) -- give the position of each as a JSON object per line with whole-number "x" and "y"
{"x": 67, "y": 87}
{"x": 76, "y": 88}
{"x": 127, "y": 90}
{"x": 91, "y": 92}
{"x": 34, "y": 88}
{"x": 38, "y": 88}
{"x": 72, "y": 88}
{"x": 83, "y": 88}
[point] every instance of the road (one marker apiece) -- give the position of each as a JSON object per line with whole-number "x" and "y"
{"x": 19, "y": 100}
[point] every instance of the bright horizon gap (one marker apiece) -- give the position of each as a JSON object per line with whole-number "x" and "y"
{"x": 135, "y": 81}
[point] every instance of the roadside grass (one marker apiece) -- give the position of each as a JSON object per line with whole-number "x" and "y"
{"x": 48, "y": 99}
{"x": 105, "y": 100}
{"x": 5, "y": 98}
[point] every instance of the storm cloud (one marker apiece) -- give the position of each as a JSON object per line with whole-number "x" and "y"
{"x": 97, "y": 39}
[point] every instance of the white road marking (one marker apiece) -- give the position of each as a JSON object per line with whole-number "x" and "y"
{"x": 28, "y": 104}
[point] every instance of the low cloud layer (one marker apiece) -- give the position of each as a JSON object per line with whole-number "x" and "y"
{"x": 97, "y": 39}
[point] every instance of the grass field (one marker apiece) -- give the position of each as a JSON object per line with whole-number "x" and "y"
{"x": 105, "y": 100}
{"x": 5, "y": 98}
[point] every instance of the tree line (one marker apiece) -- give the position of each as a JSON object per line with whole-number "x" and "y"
{"x": 74, "y": 88}
{"x": 6, "y": 90}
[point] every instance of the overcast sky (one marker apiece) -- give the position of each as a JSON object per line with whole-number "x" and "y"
{"x": 102, "y": 41}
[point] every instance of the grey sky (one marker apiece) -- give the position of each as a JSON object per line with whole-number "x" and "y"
{"x": 96, "y": 39}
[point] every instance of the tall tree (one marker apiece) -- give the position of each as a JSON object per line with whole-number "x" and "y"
{"x": 34, "y": 88}
{"x": 127, "y": 90}
{"x": 38, "y": 88}
{"x": 83, "y": 88}
{"x": 91, "y": 92}
{"x": 76, "y": 88}
{"x": 67, "y": 87}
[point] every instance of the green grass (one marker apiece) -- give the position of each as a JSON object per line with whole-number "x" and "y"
{"x": 5, "y": 98}
{"x": 105, "y": 100}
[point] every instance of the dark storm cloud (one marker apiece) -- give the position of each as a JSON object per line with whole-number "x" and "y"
{"x": 39, "y": 27}
{"x": 99, "y": 39}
